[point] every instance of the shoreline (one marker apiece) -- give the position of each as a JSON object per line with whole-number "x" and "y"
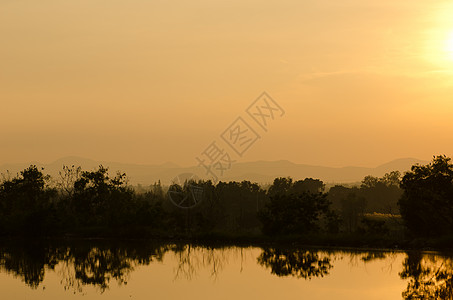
{"x": 344, "y": 242}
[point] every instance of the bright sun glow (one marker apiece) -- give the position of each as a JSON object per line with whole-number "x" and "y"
{"x": 449, "y": 45}
{"x": 438, "y": 38}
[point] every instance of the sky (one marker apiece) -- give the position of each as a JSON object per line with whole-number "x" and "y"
{"x": 360, "y": 82}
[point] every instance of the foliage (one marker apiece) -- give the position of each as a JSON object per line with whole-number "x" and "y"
{"x": 381, "y": 193}
{"x": 427, "y": 202}
{"x": 95, "y": 203}
{"x": 285, "y": 185}
{"x": 352, "y": 208}
{"x": 373, "y": 227}
{"x": 294, "y": 214}
{"x": 27, "y": 203}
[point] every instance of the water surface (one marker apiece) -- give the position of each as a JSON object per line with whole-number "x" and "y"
{"x": 107, "y": 270}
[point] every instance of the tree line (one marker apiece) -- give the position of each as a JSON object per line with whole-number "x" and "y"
{"x": 96, "y": 203}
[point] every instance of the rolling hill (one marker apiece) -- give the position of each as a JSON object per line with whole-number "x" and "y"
{"x": 257, "y": 171}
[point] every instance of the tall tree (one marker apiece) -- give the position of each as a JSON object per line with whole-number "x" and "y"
{"x": 427, "y": 202}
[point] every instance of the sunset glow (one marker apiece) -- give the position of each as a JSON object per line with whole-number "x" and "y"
{"x": 226, "y": 149}
{"x": 148, "y": 82}
{"x": 449, "y": 45}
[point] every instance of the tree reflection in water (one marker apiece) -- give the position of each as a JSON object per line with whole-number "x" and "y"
{"x": 86, "y": 265}
{"x": 80, "y": 266}
{"x": 191, "y": 259}
{"x": 430, "y": 276}
{"x": 297, "y": 263}
{"x": 98, "y": 266}
{"x": 28, "y": 261}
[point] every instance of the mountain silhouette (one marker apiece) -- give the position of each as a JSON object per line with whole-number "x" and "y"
{"x": 256, "y": 171}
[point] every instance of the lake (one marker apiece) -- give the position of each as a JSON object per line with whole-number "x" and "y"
{"x": 138, "y": 270}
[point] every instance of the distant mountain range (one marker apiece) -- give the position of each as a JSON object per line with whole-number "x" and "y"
{"x": 257, "y": 171}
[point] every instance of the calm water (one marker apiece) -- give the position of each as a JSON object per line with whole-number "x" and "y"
{"x": 95, "y": 270}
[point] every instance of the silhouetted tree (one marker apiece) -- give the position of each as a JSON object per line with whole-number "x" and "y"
{"x": 336, "y": 194}
{"x": 100, "y": 200}
{"x": 309, "y": 185}
{"x": 66, "y": 180}
{"x": 286, "y": 185}
{"x": 352, "y": 208}
{"x": 427, "y": 202}
{"x": 235, "y": 205}
{"x": 27, "y": 204}
{"x": 293, "y": 214}
{"x": 281, "y": 186}
{"x": 373, "y": 227}
{"x": 381, "y": 194}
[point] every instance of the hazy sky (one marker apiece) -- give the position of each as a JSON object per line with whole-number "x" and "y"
{"x": 362, "y": 82}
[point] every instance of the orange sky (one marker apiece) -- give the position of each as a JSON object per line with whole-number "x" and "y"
{"x": 361, "y": 82}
